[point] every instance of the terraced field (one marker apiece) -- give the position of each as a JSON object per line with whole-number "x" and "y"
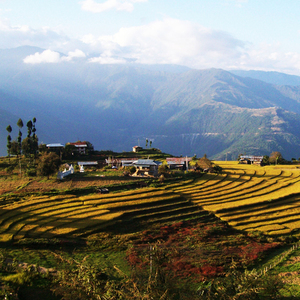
{"x": 251, "y": 198}
{"x": 73, "y": 217}
{"x": 247, "y": 197}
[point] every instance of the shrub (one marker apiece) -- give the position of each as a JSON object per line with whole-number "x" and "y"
{"x": 242, "y": 286}
{"x": 9, "y": 169}
{"x": 31, "y": 172}
{"x": 218, "y": 169}
{"x": 48, "y": 164}
{"x": 163, "y": 169}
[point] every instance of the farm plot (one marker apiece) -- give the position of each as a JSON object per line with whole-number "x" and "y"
{"x": 264, "y": 199}
{"x": 247, "y": 197}
{"x": 71, "y": 216}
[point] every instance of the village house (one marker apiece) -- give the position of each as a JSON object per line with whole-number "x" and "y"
{"x": 178, "y": 163}
{"x": 146, "y": 167}
{"x": 251, "y": 159}
{"x": 87, "y": 163}
{"x": 82, "y": 147}
{"x": 137, "y": 148}
{"x": 120, "y": 162}
{"x": 55, "y": 147}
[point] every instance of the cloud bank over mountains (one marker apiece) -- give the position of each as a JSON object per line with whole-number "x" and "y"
{"x": 165, "y": 41}
{"x": 49, "y": 56}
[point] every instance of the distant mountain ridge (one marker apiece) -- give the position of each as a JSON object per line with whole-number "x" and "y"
{"x": 183, "y": 111}
{"x": 270, "y": 77}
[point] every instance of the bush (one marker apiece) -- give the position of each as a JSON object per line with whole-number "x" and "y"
{"x": 9, "y": 169}
{"x": 176, "y": 173}
{"x": 48, "y": 164}
{"x": 107, "y": 167}
{"x": 218, "y": 169}
{"x": 129, "y": 170}
{"x": 163, "y": 169}
{"x": 31, "y": 172}
{"x": 242, "y": 286}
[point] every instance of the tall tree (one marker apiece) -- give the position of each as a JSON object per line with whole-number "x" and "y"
{"x": 27, "y": 146}
{"x": 30, "y": 143}
{"x": 34, "y": 138}
{"x": 14, "y": 148}
{"x": 29, "y": 128}
{"x": 276, "y": 158}
{"x": 9, "y": 129}
{"x": 20, "y": 125}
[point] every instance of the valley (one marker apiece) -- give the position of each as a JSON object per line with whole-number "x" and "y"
{"x": 182, "y": 111}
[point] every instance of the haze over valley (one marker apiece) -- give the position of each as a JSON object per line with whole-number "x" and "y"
{"x": 182, "y": 110}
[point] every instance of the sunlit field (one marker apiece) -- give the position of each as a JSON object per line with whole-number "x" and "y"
{"x": 248, "y": 197}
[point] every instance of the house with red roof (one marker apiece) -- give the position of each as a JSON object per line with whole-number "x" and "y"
{"x": 82, "y": 147}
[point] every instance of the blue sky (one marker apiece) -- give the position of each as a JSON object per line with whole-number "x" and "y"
{"x": 227, "y": 34}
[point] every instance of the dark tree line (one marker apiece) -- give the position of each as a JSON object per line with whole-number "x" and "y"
{"x": 46, "y": 164}
{"x": 27, "y": 146}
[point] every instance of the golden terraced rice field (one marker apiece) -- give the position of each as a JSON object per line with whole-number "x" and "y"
{"x": 248, "y": 197}
{"x": 251, "y": 198}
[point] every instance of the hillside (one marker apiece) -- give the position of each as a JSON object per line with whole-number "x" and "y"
{"x": 196, "y": 229}
{"x": 183, "y": 111}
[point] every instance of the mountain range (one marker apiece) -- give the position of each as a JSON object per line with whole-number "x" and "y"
{"x": 182, "y": 111}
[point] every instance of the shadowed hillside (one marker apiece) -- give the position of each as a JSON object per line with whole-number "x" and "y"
{"x": 183, "y": 111}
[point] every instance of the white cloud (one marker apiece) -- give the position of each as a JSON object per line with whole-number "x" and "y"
{"x": 167, "y": 41}
{"x": 269, "y": 57}
{"x": 49, "y": 56}
{"x": 74, "y": 54}
{"x": 95, "y": 7}
{"x": 15, "y": 36}
{"x": 172, "y": 41}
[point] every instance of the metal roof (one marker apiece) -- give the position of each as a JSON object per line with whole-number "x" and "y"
{"x": 87, "y": 163}
{"x": 54, "y": 145}
{"x": 178, "y": 160}
{"x": 252, "y": 157}
{"x": 148, "y": 162}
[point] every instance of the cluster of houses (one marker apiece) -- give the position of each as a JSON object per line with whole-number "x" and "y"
{"x": 78, "y": 147}
{"x": 144, "y": 167}
{"x": 149, "y": 167}
{"x": 251, "y": 160}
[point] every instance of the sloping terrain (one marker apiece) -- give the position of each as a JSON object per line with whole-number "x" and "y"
{"x": 249, "y": 198}
{"x": 183, "y": 111}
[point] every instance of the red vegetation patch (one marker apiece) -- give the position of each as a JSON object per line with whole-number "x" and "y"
{"x": 196, "y": 251}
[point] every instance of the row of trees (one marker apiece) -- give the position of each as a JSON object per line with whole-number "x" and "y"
{"x": 27, "y": 146}
{"x": 150, "y": 143}
{"x": 47, "y": 163}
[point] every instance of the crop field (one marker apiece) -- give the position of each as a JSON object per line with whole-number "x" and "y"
{"x": 71, "y": 216}
{"x": 194, "y": 229}
{"x": 249, "y": 198}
